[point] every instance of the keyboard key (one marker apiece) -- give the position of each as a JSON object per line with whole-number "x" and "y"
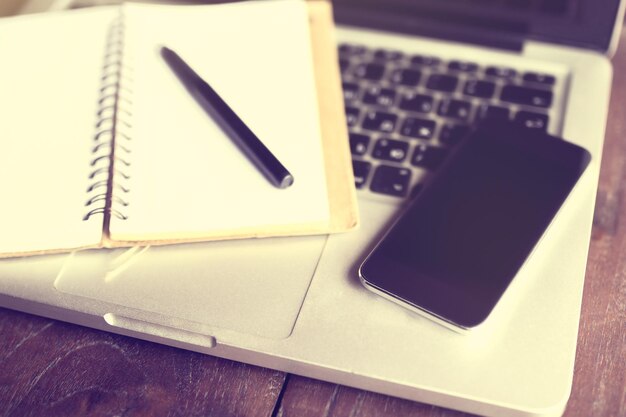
{"x": 351, "y": 50}
{"x": 350, "y": 91}
{"x": 451, "y": 134}
{"x": 344, "y": 64}
{"x": 500, "y": 72}
{"x": 533, "y": 77}
{"x": 391, "y": 180}
{"x": 442, "y": 82}
{"x": 361, "y": 171}
{"x": 390, "y": 150}
{"x": 479, "y": 88}
{"x": 418, "y": 128}
{"x": 462, "y": 66}
{"x": 405, "y": 76}
{"x": 419, "y": 103}
{"x": 380, "y": 121}
{"x": 384, "y": 97}
{"x": 372, "y": 72}
{"x": 526, "y": 95}
{"x": 428, "y": 157}
{"x": 387, "y": 55}
{"x": 456, "y": 109}
{"x": 491, "y": 112}
{"x": 359, "y": 143}
{"x": 532, "y": 120}
{"x": 425, "y": 61}
{"x": 352, "y": 116}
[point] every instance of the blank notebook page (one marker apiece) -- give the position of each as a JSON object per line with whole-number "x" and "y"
{"x": 187, "y": 178}
{"x": 49, "y": 81}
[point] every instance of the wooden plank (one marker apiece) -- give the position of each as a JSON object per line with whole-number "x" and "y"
{"x": 600, "y": 369}
{"x": 305, "y": 397}
{"x": 600, "y": 372}
{"x": 50, "y": 368}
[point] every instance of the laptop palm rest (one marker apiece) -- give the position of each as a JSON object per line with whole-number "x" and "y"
{"x": 253, "y": 286}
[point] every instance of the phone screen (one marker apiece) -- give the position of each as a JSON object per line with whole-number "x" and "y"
{"x": 460, "y": 243}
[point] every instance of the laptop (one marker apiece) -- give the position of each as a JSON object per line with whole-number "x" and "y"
{"x": 415, "y": 74}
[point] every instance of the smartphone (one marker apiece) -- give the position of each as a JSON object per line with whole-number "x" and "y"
{"x": 458, "y": 245}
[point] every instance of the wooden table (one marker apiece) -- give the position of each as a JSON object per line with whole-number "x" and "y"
{"x": 50, "y": 368}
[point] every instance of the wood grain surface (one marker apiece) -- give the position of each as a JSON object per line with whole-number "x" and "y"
{"x": 600, "y": 370}
{"x": 50, "y": 368}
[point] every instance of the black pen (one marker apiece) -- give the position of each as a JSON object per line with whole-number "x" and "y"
{"x": 230, "y": 123}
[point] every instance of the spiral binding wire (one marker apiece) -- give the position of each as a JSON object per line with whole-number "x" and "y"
{"x": 107, "y": 192}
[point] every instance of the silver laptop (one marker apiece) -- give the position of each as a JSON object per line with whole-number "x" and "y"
{"x": 410, "y": 70}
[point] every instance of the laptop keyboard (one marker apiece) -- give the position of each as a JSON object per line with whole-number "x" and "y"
{"x": 406, "y": 112}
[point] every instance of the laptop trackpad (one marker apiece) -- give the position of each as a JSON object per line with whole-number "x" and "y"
{"x": 252, "y": 286}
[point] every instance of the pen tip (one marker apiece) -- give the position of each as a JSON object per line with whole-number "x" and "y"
{"x": 286, "y": 182}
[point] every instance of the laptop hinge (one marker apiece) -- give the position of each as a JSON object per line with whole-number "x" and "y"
{"x": 510, "y": 39}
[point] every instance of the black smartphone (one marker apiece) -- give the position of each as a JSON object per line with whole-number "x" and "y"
{"x": 455, "y": 249}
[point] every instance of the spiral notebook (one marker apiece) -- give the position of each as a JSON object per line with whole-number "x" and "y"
{"x": 101, "y": 146}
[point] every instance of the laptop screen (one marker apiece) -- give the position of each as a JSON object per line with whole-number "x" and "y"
{"x": 583, "y": 23}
